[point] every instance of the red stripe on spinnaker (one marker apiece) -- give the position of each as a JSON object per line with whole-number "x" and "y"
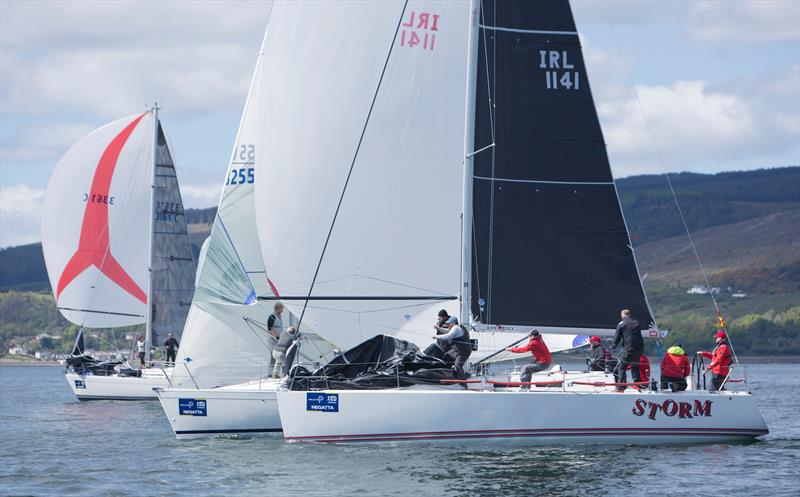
{"x": 93, "y": 248}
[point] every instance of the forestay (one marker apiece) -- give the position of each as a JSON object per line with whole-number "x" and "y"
{"x": 398, "y": 230}
{"x": 551, "y": 249}
{"x": 95, "y": 214}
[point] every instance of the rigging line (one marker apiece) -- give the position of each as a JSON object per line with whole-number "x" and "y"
{"x": 398, "y": 284}
{"x": 490, "y": 89}
{"x": 666, "y": 175}
{"x": 353, "y": 162}
{"x": 477, "y": 271}
{"x": 370, "y": 311}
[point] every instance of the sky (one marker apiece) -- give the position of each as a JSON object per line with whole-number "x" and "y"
{"x": 686, "y": 85}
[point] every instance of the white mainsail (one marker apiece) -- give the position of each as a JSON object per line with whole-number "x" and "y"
{"x": 96, "y": 210}
{"x": 398, "y": 229}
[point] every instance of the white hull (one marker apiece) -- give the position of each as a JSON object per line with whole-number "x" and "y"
{"x": 521, "y": 418}
{"x": 94, "y": 387}
{"x": 247, "y": 409}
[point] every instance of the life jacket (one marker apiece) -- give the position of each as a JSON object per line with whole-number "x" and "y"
{"x": 675, "y": 365}
{"x": 462, "y": 343}
{"x": 720, "y": 358}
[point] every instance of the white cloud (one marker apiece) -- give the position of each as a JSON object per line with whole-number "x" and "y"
{"x": 694, "y": 127}
{"x": 20, "y": 214}
{"x": 43, "y": 142}
{"x": 200, "y": 196}
{"x": 107, "y": 58}
{"x": 745, "y": 21}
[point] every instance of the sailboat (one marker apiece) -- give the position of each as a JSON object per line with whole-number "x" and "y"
{"x": 448, "y": 154}
{"x": 222, "y": 384}
{"x": 117, "y": 250}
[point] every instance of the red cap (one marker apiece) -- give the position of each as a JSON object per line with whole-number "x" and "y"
{"x": 594, "y": 338}
{"x": 720, "y": 334}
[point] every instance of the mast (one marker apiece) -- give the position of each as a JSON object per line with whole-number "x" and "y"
{"x": 148, "y": 339}
{"x": 469, "y": 154}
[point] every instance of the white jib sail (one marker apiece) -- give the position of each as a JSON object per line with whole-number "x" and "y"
{"x": 96, "y": 209}
{"x": 398, "y": 231}
{"x": 225, "y": 339}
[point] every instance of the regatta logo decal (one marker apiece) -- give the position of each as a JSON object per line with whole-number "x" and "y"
{"x": 93, "y": 247}
{"x": 419, "y": 30}
{"x": 80, "y": 384}
{"x": 322, "y": 402}
{"x": 192, "y": 407}
{"x": 672, "y": 408}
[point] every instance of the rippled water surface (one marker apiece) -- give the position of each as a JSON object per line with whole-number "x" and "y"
{"x": 51, "y": 444}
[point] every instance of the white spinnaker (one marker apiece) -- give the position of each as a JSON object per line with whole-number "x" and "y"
{"x": 85, "y": 191}
{"x": 398, "y": 230}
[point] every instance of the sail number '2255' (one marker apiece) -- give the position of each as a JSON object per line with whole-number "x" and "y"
{"x": 239, "y": 176}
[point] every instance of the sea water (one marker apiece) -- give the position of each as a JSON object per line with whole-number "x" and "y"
{"x": 52, "y": 444}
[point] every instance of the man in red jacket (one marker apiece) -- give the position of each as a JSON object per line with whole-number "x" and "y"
{"x": 541, "y": 356}
{"x": 720, "y": 360}
{"x": 674, "y": 369}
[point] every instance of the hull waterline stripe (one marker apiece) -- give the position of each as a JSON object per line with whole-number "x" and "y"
{"x": 85, "y": 397}
{"x": 509, "y": 180}
{"x": 218, "y": 432}
{"x": 553, "y": 432}
{"x": 545, "y": 431}
{"x": 529, "y": 31}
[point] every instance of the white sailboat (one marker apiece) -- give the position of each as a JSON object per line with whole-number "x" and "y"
{"x": 448, "y": 154}
{"x": 117, "y": 249}
{"x": 222, "y": 384}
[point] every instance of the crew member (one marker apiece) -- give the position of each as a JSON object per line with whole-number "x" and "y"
{"x": 140, "y": 350}
{"x": 171, "y": 345}
{"x": 674, "y": 369}
{"x": 275, "y": 321}
{"x": 598, "y": 357}
{"x": 720, "y": 365}
{"x": 286, "y": 339}
{"x": 644, "y": 368}
{"x": 541, "y": 357}
{"x": 438, "y": 349}
{"x": 458, "y": 346}
{"x": 629, "y": 335}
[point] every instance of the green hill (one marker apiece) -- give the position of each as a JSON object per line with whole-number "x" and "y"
{"x": 22, "y": 267}
{"x": 746, "y": 227}
{"x": 706, "y": 200}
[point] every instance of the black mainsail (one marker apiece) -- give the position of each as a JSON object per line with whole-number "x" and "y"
{"x": 550, "y": 243}
{"x": 173, "y": 265}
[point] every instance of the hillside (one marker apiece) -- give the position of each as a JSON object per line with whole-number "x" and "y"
{"x": 22, "y": 267}
{"x": 746, "y": 226}
{"x": 706, "y": 199}
{"x": 759, "y": 255}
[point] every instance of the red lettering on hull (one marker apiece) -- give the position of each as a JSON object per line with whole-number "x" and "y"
{"x": 672, "y": 408}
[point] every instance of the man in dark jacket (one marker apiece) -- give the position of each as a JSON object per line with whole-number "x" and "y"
{"x": 459, "y": 348}
{"x": 598, "y": 358}
{"x": 629, "y": 335}
{"x": 171, "y": 344}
